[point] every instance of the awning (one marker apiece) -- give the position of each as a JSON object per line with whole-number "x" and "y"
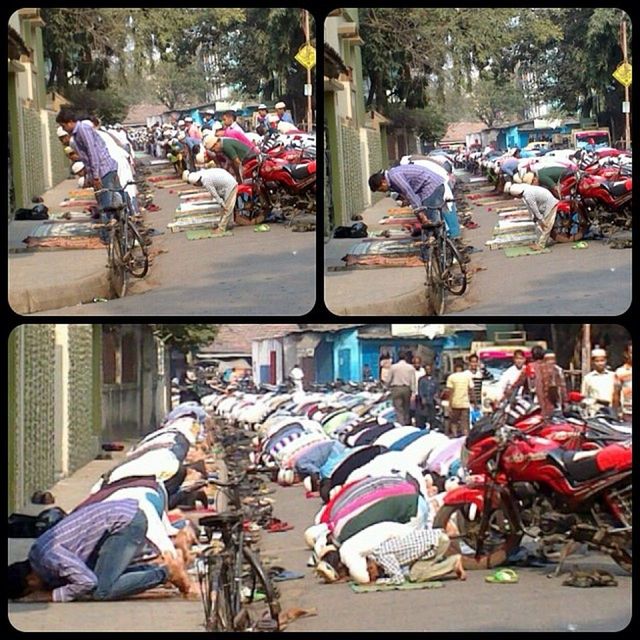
{"x": 333, "y": 63}
{"x": 17, "y": 46}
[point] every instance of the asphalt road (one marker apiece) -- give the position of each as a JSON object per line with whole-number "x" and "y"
{"x": 247, "y": 274}
{"x": 536, "y": 603}
{"x": 564, "y": 282}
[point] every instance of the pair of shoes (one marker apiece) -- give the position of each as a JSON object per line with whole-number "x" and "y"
{"x": 42, "y": 497}
{"x": 595, "y": 578}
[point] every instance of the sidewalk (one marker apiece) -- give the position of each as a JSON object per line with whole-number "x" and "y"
{"x": 376, "y": 291}
{"x": 42, "y": 279}
{"x": 166, "y": 614}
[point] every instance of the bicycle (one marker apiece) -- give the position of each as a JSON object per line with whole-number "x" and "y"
{"x": 233, "y": 583}
{"x": 127, "y": 253}
{"x": 445, "y": 267}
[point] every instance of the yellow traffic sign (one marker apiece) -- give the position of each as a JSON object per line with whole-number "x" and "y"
{"x": 306, "y": 56}
{"x": 623, "y": 74}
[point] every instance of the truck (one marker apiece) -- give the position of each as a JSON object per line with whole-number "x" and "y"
{"x": 601, "y": 138}
{"x": 496, "y": 357}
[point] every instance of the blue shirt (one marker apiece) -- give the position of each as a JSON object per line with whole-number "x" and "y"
{"x": 510, "y": 166}
{"x": 286, "y": 117}
{"x": 414, "y": 182}
{"x": 60, "y": 554}
{"x": 92, "y": 151}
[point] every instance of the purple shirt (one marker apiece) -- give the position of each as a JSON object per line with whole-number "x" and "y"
{"x": 92, "y": 151}
{"x": 414, "y": 182}
{"x": 60, "y": 554}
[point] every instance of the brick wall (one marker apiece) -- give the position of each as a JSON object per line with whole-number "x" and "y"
{"x": 352, "y": 173}
{"x": 59, "y": 162}
{"x": 34, "y": 159}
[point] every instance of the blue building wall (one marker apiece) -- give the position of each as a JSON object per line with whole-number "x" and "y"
{"x": 346, "y": 355}
{"x": 324, "y": 362}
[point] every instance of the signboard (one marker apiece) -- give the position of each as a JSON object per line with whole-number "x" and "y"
{"x": 623, "y": 74}
{"x": 308, "y": 89}
{"x": 306, "y": 56}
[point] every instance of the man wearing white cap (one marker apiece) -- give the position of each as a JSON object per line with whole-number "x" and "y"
{"x": 542, "y": 206}
{"x": 283, "y": 114}
{"x": 223, "y": 189}
{"x": 598, "y": 386}
{"x": 192, "y": 129}
{"x": 261, "y": 119}
{"x": 208, "y": 117}
{"x": 63, "y": 136}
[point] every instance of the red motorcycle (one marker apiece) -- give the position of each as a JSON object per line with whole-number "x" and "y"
{"x": 604, "y": 198}
{"x": 526, "y": 484}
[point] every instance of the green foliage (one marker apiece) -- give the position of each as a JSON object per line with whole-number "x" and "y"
{"x": 108, "y": 104}
{"x": 185, "y": 337}
{"x": 178, "y": 86}
{"x": 430, "y": 124}
{"x": 497, "y": 100}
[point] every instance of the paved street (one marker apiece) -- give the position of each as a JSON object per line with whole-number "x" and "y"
{"x": 245, "y": 274}
{"x": 564, "y": 282}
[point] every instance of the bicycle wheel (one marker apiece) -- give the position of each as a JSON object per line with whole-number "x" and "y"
{"x": 454, "y": 273}
{"x": 137, "y": 256}
{"x": 221, "y": 585}
{"x": 435, "y": 286}
{"x": 118, "y": 276}
{"x": 261, "y": 603}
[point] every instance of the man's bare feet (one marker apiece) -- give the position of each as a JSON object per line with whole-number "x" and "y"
{"x": 459, "y": 569}
{"x": 177, "y": 575}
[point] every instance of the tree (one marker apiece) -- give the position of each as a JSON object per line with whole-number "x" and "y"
{"x": 497, "y": 101}
{"x": 430, "y": 124}
{"x": 108, "y": 104}
{"x": 178, "y": 87}
{"x": 185, "y": 337}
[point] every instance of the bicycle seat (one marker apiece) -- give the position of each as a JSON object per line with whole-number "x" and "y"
{"x": 219, "y": 520}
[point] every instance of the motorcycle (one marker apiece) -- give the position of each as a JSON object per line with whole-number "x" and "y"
{"x": 526, "y": 484}
{"x": 602, "y": 200}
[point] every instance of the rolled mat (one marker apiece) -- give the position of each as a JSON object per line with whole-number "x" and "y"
{"x": 405, "y": 586}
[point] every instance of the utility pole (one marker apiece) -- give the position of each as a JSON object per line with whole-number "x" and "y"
{"x": 586, "y": 349}
{"x": 309, "y": 110}
{"x": 627, "y": 127}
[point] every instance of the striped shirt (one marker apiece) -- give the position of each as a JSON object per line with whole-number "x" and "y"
{"x": 60, "y": 554}
{"x": 414, "y": 182}
{"x": 396, "y": 553}
{"x": 219, "y": 183}
{"x": 92, "y": 151}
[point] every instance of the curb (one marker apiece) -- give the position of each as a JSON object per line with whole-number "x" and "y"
{"x": 413, "y": 303}
{"x": 48, "y": 298}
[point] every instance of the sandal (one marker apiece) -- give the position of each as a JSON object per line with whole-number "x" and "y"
{"x": 503, "y": 576}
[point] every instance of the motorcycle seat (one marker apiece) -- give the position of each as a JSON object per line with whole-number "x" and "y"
{"x": 578, "y": 466}
{"x": 617, "y": 188}
{"x": 297, "y": 171}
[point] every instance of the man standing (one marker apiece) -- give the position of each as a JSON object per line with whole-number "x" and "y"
{"x": 460, "y": 386}
{"x": 476, "y": 378}
{"x": 223, "y": 189}
{"x": 623, "y": 386}
{"x": 283, "y": 114}
{"x": 419, "y": 372}
{"x": 402, "y": 381}
{"x": 420, "y": 186}
{"x": 598, "y": 386}
{"x": 297, "y": 376}
{"x": 542, "y": 206}
{"x": 261, "y": 120}
{"x": 385, "y": 363}
{"x": 427, "y": 400}
{"x": 207, "y": 116}
{"x": 509, "y": 377}
{"x": 101, "y": 169}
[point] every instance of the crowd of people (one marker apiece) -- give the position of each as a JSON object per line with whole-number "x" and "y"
{"x": 419, "y": 395}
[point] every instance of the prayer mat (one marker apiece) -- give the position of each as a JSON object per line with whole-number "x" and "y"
{"x": 405, "y": 586}
{"x": 490, "y": 202}
{"x": 159, "y": 162}
{"x": 385, "y": 253}
{"x": 513, "y": 226}
{"x": 476, "y": 180}
{"x": 200, "y": 234}
{"x": 48, "y": 229}
{"x": 77, "y": 203}
{"x": 197, "y": 207}
{"x": 193, "y": 222}
{"x": 394, "y": 220}
{"x": 81, "y": 192}
{"x": 191, "y": 197}
{"x": 70, "y": 216}
{"x": 516, "y": 252}
{"x": 388, "y": 233}
{"x": 511, "y": 240}
{"x": 64, "y": 243}
{"x": 158, "y": 179}
{"x": 399, "y": 211}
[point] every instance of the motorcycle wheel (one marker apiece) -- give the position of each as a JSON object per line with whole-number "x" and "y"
{"x": 495, "y": 553}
